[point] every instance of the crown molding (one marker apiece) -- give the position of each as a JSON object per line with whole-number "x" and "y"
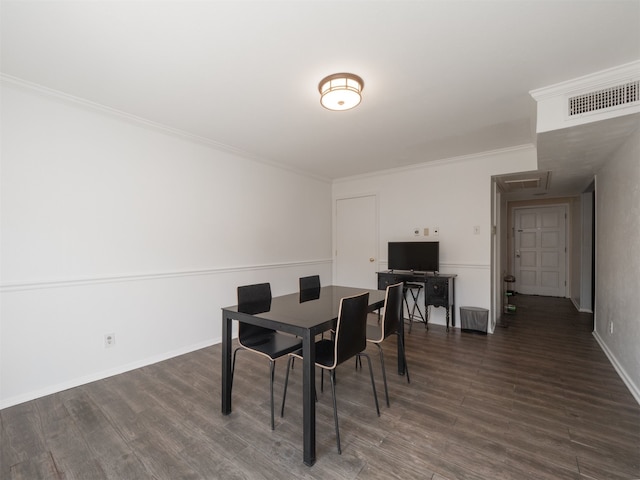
{"x": 128, "y": 117}
{"x": 604, "y": 78}
{"x": 432, "y": 163}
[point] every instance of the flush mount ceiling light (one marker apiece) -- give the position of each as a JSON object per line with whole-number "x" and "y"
{"x": 340, "y": 91}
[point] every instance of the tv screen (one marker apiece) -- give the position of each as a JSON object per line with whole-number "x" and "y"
{"x": 417, "y": 256}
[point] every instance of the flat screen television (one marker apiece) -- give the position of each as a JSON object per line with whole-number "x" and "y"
{"x": 416, "y": 256}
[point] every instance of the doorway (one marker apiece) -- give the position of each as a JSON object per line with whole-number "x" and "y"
{"x": 540, "y": 250}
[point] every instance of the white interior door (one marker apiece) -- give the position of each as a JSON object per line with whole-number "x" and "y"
{"x": 356, "y": 242}
{"x": 540, "y": 251}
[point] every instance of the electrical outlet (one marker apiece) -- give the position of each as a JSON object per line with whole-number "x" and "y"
{"x": 109, "y": 340}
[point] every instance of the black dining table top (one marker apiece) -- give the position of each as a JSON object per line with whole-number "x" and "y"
{"x": 314, "y": 309}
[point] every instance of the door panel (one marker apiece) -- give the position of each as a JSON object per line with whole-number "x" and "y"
{"x": 550, "y": 279}
{"x": 540, "y": 252}
{"x": 529, "y": 279}
{"x": 550, "y": 240}
{"x": 527, "y": 220}
{"x": 527, "y": 240}
{"x": 549, "y": 260}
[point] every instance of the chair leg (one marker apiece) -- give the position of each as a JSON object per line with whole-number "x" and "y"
{"x": 404, "y": 358}
{"x": 233, "y": 365}
{"x": 406, "y": 302}
{"x": 286, "y": 382}
{"x": 335, "y": 411}
{"x": 373, "y": 384}
{"x": 272, "y": 374}
{"x": 384, "y": 373}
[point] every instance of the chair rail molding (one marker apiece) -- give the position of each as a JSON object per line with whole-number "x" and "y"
{"x": 134, "y": 277}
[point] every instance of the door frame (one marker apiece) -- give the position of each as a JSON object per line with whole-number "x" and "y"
{"x": 498, "y": 246}
{"x": 334, "y": 225}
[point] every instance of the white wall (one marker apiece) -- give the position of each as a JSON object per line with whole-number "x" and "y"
{"x": 617, "y": 261}
{"x": 115, "y": 226}
{"x": 453, "y": 195}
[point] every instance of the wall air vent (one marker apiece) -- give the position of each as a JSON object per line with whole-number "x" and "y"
{"x": 605, "y": 98}
{"x": 531, "y": 183}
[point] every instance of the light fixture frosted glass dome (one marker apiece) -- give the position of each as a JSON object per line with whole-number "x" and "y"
{"x": 340, "y": 91}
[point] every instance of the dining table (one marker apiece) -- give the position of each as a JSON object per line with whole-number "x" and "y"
{"x": 305, "y": 314}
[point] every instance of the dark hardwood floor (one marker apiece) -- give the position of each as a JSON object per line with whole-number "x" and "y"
{"x": 536, "y": 400}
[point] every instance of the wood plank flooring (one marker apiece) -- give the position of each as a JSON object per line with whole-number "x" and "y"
{"x": 536, "y": 400}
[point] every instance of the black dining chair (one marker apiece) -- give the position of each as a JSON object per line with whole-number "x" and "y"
{"x": 349, "y": 341}
{"x": 309, "y": 288}
{"x": 311, "y": 282}
{"x": 269, "y": 343}
{"x": 389, "y": 325}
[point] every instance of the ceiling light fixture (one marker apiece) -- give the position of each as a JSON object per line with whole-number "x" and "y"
{"x": 340, "y": 91}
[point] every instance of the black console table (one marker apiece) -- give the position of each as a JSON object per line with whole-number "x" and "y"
{"x": 438, "y": 289}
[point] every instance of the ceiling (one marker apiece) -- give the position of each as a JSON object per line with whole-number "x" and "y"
{"x": 442, "y": 78}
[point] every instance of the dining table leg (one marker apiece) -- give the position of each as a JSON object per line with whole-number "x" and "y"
{"x": 226, "y": 364}
{"x": 308, "y": 398}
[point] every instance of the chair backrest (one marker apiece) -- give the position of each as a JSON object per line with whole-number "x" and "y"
{"x": 253, "y": 299}
{"x": 309, "y": 288}
{"x": 258, "y": 292}
{"x": 310, "y": 283}
{"x": 309, "y": 294}
{"x": 392, "y": 309}
{"x": 351, "y": 329}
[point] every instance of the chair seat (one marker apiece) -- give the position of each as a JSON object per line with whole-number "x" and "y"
{"x": 325, "y": 352}
{"x": 273, "y": 344}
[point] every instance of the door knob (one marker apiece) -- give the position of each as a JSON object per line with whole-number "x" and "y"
{"x": 372, "y": 259}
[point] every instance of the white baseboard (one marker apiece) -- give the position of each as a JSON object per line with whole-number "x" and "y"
{"x": 579, "y": 308}
{"x": 635, "y": 391}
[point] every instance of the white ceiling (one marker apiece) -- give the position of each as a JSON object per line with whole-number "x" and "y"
{"x": 442, "y": 78}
